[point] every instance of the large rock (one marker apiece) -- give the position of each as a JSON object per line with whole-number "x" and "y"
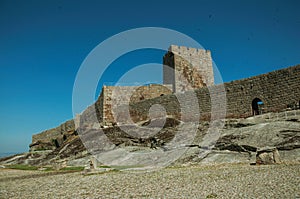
{"x": 241, "y": 138}
{"x": 280, "y": 130}
{"x": 267, "y": 155}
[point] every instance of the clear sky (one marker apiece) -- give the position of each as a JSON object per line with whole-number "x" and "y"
{"x": 43, "y": 43}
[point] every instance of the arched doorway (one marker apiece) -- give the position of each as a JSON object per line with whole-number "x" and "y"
{"x": 257, "y": 106}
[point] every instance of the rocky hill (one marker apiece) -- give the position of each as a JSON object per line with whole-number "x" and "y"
{"x": 239, "y": 141}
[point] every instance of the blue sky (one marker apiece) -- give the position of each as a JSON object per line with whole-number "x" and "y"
{"x": 43, "y": 43}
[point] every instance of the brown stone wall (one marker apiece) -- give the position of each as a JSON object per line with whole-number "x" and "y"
{"x": 187, "y": 68}
{"x": 115, "y": 96}
{"x": 278, "y": 90}
{"x": 93, "y": 113}
{"x": 52, "y": 138}
{"x": 54, "y": 132}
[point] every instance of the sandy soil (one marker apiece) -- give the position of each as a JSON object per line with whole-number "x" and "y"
{"x": 219, "y": 181}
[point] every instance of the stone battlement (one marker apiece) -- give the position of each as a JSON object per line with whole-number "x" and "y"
{"x": 187, "y": 51}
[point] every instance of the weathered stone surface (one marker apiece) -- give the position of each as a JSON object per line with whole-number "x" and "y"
{"x": 41, "y": 145}
{"x": 240, "y": 139}
{"x": 188, "y": 68}
{"x": 115, "y": 96}
{"x": 238, "y": 142}
{"x": 53, "y": 138}
{"x": 277, "y": 90}
{"x": 267, "y": 155}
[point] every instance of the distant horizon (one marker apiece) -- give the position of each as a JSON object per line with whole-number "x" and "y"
{"x": 7, "y": 154}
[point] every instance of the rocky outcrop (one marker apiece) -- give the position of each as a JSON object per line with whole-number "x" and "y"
{"x": 257, "y": 139}
{"x": 241, "y": 140}
{"x": 267, "y": 155}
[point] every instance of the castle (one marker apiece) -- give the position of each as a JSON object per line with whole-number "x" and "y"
{"x": 186, "y": 70}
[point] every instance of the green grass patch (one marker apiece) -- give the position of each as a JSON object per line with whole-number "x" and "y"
{"x": 104, "y": 166}
{"x": 46, "y": 168}
{"x": 21, "y": 167}
{"x": 72, "y": 169}
{"x": 121, "y": 167}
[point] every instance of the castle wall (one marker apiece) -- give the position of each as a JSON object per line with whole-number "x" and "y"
{"x": 278, "y": 90}
{"x": 52, "y": 138}
{"x": 115, "y": 96}
{"x": 54, "y": 132}
{"x": 93, "y": 113}
{"x": 187, "y": 68}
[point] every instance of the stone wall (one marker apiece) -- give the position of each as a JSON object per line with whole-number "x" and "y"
{"x": 92, "y": 114}
{"x": 52, "y": 138}
{"x": 115, "y": 96}
{"x": 278, "y": 90}
{"x": 187, "y": 68}
{"x": 54, "y": 132}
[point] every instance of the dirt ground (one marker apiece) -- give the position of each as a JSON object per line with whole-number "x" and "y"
{"x": 214, "y": 181}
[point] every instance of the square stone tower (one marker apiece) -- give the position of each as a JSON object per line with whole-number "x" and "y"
{"x": 187, "y": 68}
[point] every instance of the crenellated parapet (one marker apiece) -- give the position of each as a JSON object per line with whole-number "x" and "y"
{"x": 187, "y": 51}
